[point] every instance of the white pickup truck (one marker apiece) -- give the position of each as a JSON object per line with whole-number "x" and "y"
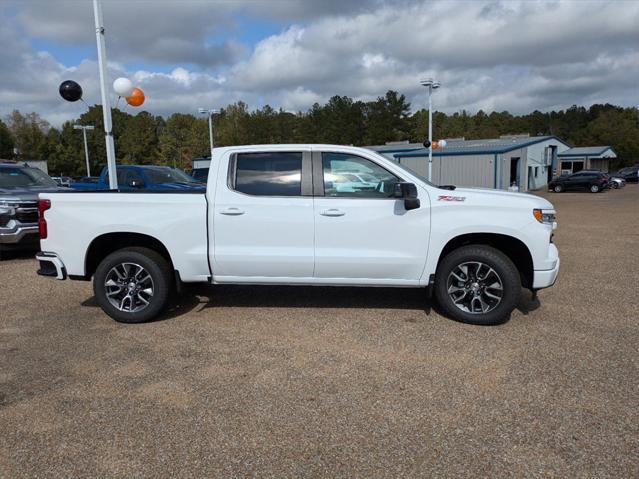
{"x": 303, "y": 215}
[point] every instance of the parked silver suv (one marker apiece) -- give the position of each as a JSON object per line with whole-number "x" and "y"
{"x": 19, "y": 189}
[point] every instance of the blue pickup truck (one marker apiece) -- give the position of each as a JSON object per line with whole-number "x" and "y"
{"x": 143, "y": 177}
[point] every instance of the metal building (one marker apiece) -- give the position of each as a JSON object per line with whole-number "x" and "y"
{"x": 586, "y": 158}
{"x": 522, "y": 160}
{"x": 200, "y": 162}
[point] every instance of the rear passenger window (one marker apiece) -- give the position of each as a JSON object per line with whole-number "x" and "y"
{"x": 269, "y": 174}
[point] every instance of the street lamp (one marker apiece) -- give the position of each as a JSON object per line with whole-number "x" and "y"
{"x": 210, "y": 113}
{"x": 432, "y": 85}
{"x": 84, "y": 129}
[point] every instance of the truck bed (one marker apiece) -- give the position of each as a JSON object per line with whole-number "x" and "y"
{"x": 177, "y": 219}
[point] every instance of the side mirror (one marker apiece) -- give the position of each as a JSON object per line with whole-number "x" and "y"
{"x": 407, "y": 191}
{"x": 136, "y": 183}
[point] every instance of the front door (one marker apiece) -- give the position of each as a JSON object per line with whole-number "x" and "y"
{"x": 263, "y": 218}
{"x": 576, "y": 181}
{"x": 362, "y": 234}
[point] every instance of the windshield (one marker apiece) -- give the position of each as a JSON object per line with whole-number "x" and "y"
{"x": 167, "y": 175}
{"x": 24, "y": 178}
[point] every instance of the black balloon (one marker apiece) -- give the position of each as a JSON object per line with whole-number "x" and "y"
{"x": 70, "y": 90}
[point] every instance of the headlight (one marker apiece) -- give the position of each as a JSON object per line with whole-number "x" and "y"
{"x": 547, "y": 217}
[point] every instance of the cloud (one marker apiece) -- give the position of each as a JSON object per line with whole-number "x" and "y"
{"x": 481, "y": 52}
{"x": 516, "y": 55}
{"x": 166, "y": 32}
{"x": 154, "y": 32}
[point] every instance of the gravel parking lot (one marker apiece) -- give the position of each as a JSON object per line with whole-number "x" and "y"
{"x": 338, "y": 382}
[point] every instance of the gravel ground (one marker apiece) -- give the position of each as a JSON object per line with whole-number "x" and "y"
{"x": 292, "y": 382}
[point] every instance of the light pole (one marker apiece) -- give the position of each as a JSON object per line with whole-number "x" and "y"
{"x": 210, "y": 113}
{"x": 106, "y": 104}
{"x": 84, "y": 129}
{"x": 432, "y": 85}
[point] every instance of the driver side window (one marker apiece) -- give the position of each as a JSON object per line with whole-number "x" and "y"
{"x": 355, "y": 177}
{"x": 133, "y": 176}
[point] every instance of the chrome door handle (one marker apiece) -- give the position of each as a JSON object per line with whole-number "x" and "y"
{"x": 232, "y": 212}
{"x": 332, "y": 212}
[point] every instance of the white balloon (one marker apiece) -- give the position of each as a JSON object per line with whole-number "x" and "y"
{"x": 123, "y": 86}
{"x": 442, "y": 143}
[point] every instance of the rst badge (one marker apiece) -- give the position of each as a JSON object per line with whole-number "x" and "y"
{"x": 450, "y": 198}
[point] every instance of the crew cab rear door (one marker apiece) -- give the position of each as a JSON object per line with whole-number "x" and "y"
{"x": 363, "y": 235}
{"x": 263, "y": 225}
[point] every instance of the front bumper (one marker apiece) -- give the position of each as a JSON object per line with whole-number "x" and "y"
{"x": 546, "y": 277}
{"x": 51, "y": 265}
{"x": 16, "y": 233}
{"x": 18, "y": 222}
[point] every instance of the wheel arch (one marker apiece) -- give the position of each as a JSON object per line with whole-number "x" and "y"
{"x": 515, "y": 249}
{"x": 107, "y": 243}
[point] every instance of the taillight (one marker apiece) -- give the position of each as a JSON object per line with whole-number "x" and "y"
{"x": 43, "y": 205}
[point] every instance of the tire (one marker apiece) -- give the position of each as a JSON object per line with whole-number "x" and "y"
{"x": 504, "y": 271}
{"x": 595, "y": 189}
{"x": 615, "y": 185}
{"x": 127, "y": 271}
{"x": 558, "y": 188}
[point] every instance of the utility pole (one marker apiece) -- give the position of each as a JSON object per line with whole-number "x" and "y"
{"x": 106, "y": 104}
{"x": 84, "y": 129}
{"x": 210, "y": 113}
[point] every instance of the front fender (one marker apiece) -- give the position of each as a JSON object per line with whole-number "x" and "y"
{"x": 450, "y": 222}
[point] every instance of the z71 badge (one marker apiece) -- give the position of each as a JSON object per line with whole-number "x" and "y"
{"x": 450, "y": 198}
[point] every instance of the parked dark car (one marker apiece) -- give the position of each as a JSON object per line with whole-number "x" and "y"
{"x": 19, "y": 188}
{"x": 200, "y": 174}
{"x": 143, "y": 177}
{"x": 86, "y": 179}
{"x": 630, "y": 174}
{"x": 593, "y": 181}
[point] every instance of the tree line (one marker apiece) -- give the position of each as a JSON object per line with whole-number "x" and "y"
{"x": 147, "y": 139}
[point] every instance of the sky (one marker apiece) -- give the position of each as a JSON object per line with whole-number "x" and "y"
{"x": 495, "y": 55}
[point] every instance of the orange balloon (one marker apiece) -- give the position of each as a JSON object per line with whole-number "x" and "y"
{"x": 136, "y": 98}
{"x": 435, "y": 145}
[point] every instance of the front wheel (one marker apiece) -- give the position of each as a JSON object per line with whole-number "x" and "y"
{"x": 594, "y": 188}
{"x": 132, "y": 285}
{"x": 558, "y": 189}
{"x": 615, "y": 185}
{"x": 477, "y": 284}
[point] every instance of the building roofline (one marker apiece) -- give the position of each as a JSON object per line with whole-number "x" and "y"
{"x": 494, "y": 151}
{"x": 583, "y": 155}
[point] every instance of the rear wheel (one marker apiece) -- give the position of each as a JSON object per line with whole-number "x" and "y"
{"x": 132, "y": 285}
{"x": 558, "y": 188}
{"x": 594, "y": 188}
{"x": 477, "y": 284}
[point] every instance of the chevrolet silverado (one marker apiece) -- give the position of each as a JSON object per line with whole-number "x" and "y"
{"x": 303, "y": 215}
